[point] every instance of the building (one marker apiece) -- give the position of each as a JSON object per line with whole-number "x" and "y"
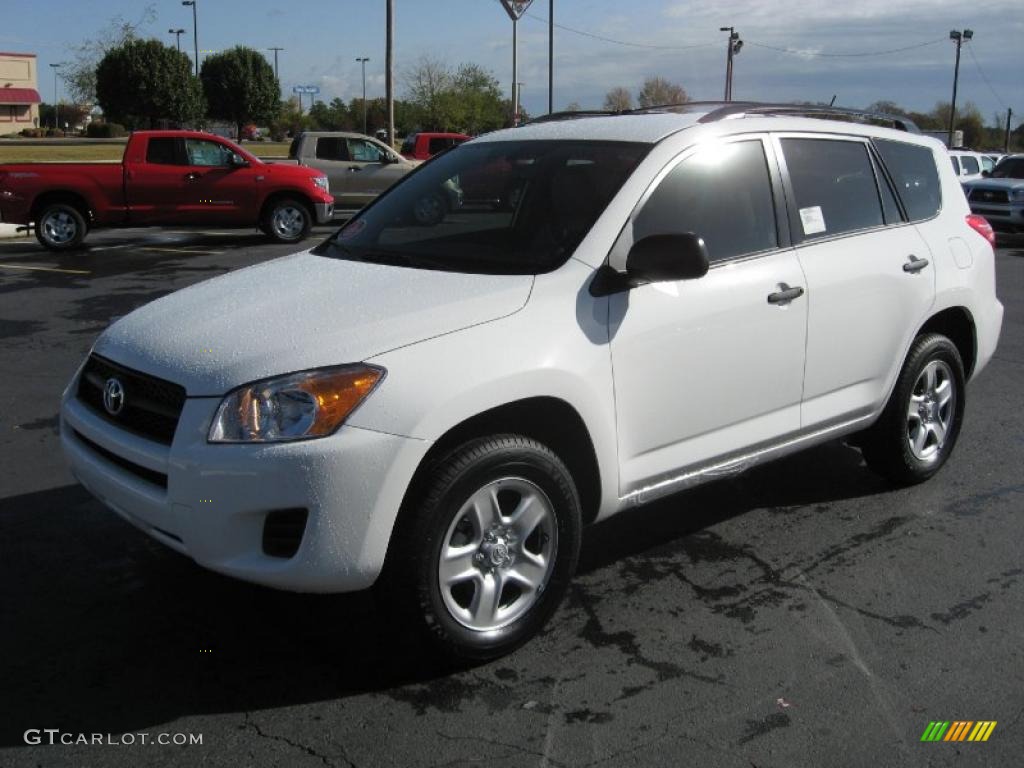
{"x": 19, "y": 92}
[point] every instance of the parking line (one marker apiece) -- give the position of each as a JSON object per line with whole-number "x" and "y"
{"x": 179, "y": 250}
{"x": 48, "y": 269}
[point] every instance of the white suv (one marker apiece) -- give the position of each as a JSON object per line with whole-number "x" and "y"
{"x": 623, "y": 306}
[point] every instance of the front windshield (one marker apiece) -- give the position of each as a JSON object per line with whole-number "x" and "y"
{"x": 515, "y": 207}
{"x": 1010, "y": 168}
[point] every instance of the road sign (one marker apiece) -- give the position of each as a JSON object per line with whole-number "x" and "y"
{"x": 306, "y": 89}
{"x": 515, "y": 8}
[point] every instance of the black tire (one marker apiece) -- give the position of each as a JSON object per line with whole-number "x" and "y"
{"x": 287, "y": 220}
{"x": 435, "y": 518}
{"x": 890, "y": 447}
{"x": 60, "y": 227}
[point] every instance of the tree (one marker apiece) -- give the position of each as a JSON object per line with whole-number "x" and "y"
{"x": 468, "y": 99}
{"x": 145, "y": 82}
{"x": 80, "y": 74}
{"x": 886, "y": 108}
{"x": 72, "y": 114}
{"x": 618, "y": 99}
{"x": 658, "y": 90}
{"x": 573, "y": 106}
{"x": 478, "y": 102}
{"x": 428, "y": 86}
{"x": 240, "y": 87}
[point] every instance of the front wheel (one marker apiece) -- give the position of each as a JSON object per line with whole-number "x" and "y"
{"x": 484, "y": 557}
{"x": 921, "y": 422}
{"x": 287, "y": 221}
{"x": 60, "y": 227}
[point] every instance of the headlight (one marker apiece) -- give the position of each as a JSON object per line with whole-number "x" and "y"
{"x": 293, "y": 407}
{"x": 322, "y": 182}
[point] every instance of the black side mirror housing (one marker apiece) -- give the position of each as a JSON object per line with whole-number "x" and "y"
{"x": 986, "y": 174}
{"x": 655, "y": 259}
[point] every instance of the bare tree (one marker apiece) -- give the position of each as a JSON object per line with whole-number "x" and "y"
{"x": 573, "y": 106}
{"x": 80, "y": 75}
{"x": 658, "y": 90}
{"x": 618, "y": 99}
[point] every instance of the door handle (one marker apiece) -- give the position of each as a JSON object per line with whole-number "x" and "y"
{"x": 353, "y": 169}
{"x": 193, "y": 176}
{"x": 915, "y": 264}
{"x": 785, "y": 295}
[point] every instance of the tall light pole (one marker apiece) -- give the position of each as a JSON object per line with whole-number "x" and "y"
{"x": 551, "y": 56}
{"x": 195, "y": 30}
{"x": 734, "y": 44}
{"x": 389, "y": 71}
{"x": 960, "y": 37}
{"x": 362, "y": 60}
{"x": 56, "y": 104}
{"x": 275, "y": 50}
{"x": 177, "y": 36}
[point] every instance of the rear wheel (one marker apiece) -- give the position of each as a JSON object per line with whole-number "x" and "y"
{"x": 60, "y": 227}
{"x": 484, "y": 557}
{"x": 287, "y": 220}
{"x": 921, "y": 422}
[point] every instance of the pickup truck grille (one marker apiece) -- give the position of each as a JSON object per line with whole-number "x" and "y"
{"x": 151, "y": 406}
{"x": 990, "y": 196}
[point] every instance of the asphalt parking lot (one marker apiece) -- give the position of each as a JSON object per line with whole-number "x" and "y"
{"x": 802, "y": 614}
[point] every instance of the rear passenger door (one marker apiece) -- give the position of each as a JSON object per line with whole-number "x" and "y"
{"x": 870, "y": 276}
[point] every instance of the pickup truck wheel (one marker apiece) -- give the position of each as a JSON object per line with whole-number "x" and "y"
{"x": 485, "y": 556}
{"x": 60, "y": 227}
{"x": 287, "y": 221}
{"x": 921, "y": 422}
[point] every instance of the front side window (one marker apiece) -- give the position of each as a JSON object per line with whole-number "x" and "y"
{"x": 913, "y": 171}
{"x": 511, "y": 207}
{"x": 970, "y": 164}
{"x": 361, "y": 151}
{"x": 721, "y": 192}
{"x": 987, "y": 163}
{"x": 834, "y": 185}
{"x": 207, "y": 153}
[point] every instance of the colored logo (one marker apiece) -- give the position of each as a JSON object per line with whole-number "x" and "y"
{"x": 958, "y": 730}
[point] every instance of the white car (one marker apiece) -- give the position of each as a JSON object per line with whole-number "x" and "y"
{"x": 655, "y": 300}
{"x": 968, "y": 165}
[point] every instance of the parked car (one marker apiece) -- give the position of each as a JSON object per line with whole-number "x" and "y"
{"x": 671, "y": 298}
{"x": 165, "y": 177}
{"x": 423, "y": 146}
{"x": 999, "y": 197}
{"x": 968, "y": 165}
{"x": 359, "y": 167}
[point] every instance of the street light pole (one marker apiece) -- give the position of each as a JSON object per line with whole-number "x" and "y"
{"x": 56, "y": 104}
{"x": 960, "y": 37}
{"x": 734, "y": 46}
{"x": 195, "y": 30}
{"x": 275, "y": 50}
{"x": 389, "y": 70}
{"x": 515, "y": 72}
{"x": 551, "y": 56}
{"x": 362, "y": 60}
{"x": 177, "y": 36}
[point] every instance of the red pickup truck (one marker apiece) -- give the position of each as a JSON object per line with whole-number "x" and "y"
{"x": 165, "y": 177}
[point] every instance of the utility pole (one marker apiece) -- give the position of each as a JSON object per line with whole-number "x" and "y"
{"x": 195, "y": 30}
{"x": 1006, "y": 141}
{"x": 519, "y": 94}
{"x": 56, "y": 103}
{"x": 177, "y": 36}
{"x": 362, "y": 60}
{"x": 734, "y": 44}
{"x": 275, "y": 50}
{"x": 960, "y": 37}
{"x": 389, "y": 72}
{"x": 515, "y": 72}
{"x": 551, "y": 56}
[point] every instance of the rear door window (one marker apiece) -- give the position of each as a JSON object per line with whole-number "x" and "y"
{"x": 332, "y": 148}
{"x": 162, "y": 151}
{"x": 913, "y": 171}
{"x": 834, "y": 186}
{"x": 723, "y": 193}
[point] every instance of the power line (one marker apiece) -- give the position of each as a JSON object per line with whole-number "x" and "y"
{"x": 798, "y": 52}
{"x": 983, "y": 77}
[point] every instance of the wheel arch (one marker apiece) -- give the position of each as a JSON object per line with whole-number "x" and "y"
{"x": 290, "y": 194}
{"x": 75, "y": 199}
{"x": 956, "y": 324}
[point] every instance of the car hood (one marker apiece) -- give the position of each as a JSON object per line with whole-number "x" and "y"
{"x": 300, "y": 312}
{"x": 989, "y": 183}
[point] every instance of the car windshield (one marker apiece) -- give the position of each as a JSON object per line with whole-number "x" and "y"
{"x": 1010, "y": 168}
{"x": 517, "y": 207}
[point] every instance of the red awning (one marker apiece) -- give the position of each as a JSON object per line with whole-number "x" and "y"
{"x": 19, "y": 96}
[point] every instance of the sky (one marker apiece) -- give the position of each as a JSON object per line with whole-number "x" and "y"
{"x": 793, "y": 51}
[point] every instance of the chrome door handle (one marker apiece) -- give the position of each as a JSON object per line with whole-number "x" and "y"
{"x": 915, "y": 264}
{"x": 785, "y": 295}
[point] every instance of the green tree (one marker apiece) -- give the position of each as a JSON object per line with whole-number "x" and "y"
{"x": 240, "y": 87}
{"x": 618, "y": 99}
{"x": 478, "y": 104}
{"x": 145, "y": 82}
{"x": 658, "y": 90}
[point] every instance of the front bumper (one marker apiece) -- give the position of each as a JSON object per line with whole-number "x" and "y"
{"x": 324, "y": 212}
{"x": 1005, "y": 218}
{"x": 210, "y": 502}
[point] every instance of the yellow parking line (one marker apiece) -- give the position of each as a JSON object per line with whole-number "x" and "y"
{"x": 48, "y": 269}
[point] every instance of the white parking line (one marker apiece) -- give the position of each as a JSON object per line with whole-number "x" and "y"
{"x": 179, "y": 250}
{"x": 48, "y": 269}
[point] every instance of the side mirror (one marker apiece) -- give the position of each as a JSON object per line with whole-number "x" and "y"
{"x": 664, "y": 258}
{"x": 237, "y": 161}
{"x": 986, "y": 174}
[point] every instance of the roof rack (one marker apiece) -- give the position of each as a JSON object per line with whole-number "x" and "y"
{"x": 722, "y": 110}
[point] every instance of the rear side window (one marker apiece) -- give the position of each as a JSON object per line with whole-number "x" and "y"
{"x": 834, "y": 184}
{"x": 162, "y": 152}
{"x": 956, "y": 164}
{"x": 970, "y": 164}
{"x": 722, "y": 193}
{"x": 331, "y": 148}
{"x": 912, "y": 169}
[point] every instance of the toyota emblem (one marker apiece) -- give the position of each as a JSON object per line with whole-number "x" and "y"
{"x": 113, "y": 396}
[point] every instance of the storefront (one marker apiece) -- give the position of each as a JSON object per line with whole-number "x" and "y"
{"x": 19, "y": 92}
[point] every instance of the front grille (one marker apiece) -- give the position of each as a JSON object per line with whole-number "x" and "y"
{"x": 990, "y": 196}
{"x": 143, "y": 473}
{"x": 152, "y": 406}
{"x": 989, "y": 211}
{"x": 282, "y": 532}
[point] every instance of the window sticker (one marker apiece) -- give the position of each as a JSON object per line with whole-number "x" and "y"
{"x": 813, "y": 220}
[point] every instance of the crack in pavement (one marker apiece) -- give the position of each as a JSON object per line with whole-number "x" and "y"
{"x": 251, "y": 724}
